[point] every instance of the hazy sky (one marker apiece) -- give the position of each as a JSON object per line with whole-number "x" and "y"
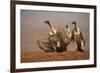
{"x": 33, "y": 27}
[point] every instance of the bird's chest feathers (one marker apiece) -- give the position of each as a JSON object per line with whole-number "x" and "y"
{"x": 77, "y": 32}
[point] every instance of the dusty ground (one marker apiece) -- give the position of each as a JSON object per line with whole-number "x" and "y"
{"x": 42, "y": 56}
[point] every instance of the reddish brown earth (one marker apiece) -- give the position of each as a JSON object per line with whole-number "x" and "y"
{"x": 42, "y": 56}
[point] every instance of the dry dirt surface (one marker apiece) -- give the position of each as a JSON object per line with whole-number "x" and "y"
{"x": 43, "y": 57}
